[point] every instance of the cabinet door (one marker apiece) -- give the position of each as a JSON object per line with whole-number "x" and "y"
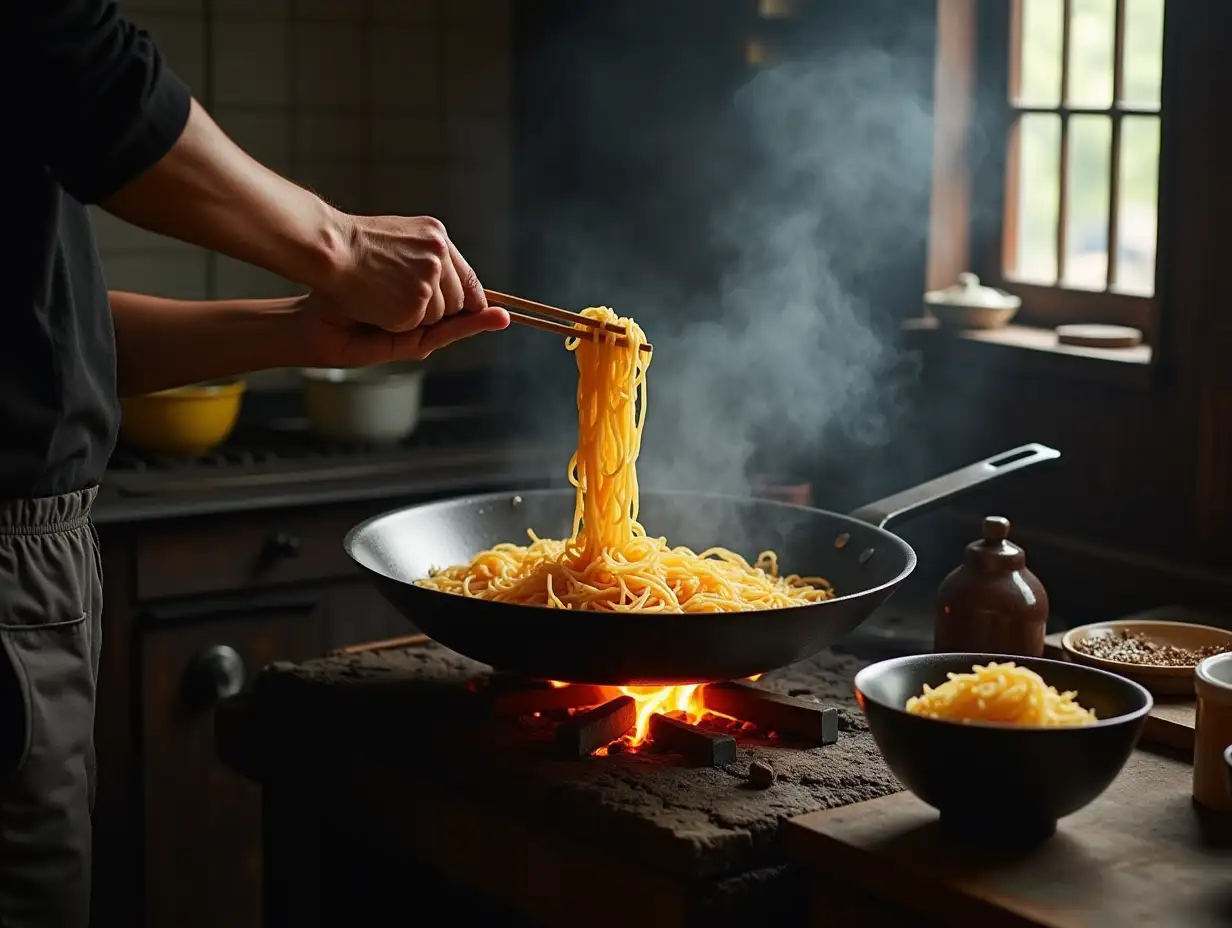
{"x": 202, "y": 823}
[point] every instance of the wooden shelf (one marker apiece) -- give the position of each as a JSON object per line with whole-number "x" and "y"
{"x": 1033, "y": 351}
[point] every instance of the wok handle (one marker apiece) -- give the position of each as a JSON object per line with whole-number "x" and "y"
{"x": 941, "y": 489}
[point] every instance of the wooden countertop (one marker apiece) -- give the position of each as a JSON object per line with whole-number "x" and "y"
{"x": 1140, "y": 855}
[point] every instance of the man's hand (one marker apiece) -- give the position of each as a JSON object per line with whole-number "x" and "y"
{"x": 332, "y": 339}
{"x": 399, "y": 273}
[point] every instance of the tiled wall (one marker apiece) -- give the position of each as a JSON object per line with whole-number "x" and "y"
{"x": 380, "y": 106}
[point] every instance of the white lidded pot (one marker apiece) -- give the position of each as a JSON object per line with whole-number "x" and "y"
{"x": 377, "y": 405}
{"x": 968, "y": 304}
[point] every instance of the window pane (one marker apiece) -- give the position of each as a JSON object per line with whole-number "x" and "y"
{"x": 1033, "y": 256}
{"x": 1144, "y": 52}
{"x": 1137, "y": 209}
{"x": 1091, "y": 36}
{"x": 1086, "y": 233}
{"x": 1040, "y": 53}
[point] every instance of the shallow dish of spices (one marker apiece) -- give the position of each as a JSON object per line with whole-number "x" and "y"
{"x": 1160, "y": 655}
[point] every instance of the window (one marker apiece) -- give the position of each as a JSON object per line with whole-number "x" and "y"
{"x": 1071, "y": 203}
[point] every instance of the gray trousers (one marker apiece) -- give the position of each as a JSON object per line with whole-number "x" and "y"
{"x": 51, "y": 599}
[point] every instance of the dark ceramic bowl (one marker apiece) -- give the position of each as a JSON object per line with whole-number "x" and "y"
{"x": 994, "y": 782}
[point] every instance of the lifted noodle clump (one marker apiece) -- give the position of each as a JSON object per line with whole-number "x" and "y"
{"x": 610, "y": 563}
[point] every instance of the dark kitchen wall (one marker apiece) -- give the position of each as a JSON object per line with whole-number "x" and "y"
{"x": 750, "y": 181}
{"x": 380, "y": 106}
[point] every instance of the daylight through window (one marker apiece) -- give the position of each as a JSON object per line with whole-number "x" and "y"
{"x": 1083, "y": 162}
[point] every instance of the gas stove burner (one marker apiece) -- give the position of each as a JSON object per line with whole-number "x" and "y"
{"x": 286, "y": 451}
{"x": 283, "y": 473}
{"x": 292, "y": 440}
{"x": 127, "y": 459}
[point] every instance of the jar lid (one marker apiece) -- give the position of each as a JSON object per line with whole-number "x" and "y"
{"x": 970, "y": 292}
{"x": 994, "y": 551}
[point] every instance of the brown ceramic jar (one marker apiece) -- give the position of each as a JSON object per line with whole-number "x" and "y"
{"x": 992, "y": 603}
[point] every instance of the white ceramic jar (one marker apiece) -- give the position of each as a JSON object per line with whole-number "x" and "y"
{"x": 1213, "y": 732}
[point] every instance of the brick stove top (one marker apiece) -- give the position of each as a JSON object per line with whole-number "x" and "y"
{"x": 416, "y": 709}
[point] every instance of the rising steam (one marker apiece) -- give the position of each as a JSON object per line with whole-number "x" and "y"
{"x": 774, "y": 349}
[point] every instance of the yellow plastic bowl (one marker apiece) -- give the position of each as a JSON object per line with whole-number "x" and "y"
{"x": 184, "y": 422}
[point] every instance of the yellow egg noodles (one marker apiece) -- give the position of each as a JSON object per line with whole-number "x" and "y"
{"x": 1003, "y": 693}
{"x": 610, "y": 563}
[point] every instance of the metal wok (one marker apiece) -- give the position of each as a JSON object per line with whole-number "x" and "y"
{"x": 855, "y": 552}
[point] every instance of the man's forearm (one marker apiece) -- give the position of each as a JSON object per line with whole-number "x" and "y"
{"x": 208, "y": 192}
{"x": 170, "y": 343}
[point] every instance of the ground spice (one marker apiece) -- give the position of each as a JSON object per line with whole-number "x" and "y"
{"x": 1132, "y": 648}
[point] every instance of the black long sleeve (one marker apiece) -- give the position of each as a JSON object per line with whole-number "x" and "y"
{"x": 93, "y": 96}
{"x": 86, "y": 105}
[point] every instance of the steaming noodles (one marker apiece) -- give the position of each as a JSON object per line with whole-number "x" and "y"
{"x": 1004, "y": 693}
{"x": 610, "y": 563}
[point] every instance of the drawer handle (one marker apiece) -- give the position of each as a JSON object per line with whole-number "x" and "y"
{"x": 214, "y": 675}
{"x": 283, "y": 545}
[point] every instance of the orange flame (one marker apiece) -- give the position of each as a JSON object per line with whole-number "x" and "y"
{"x": 660, "y": 700}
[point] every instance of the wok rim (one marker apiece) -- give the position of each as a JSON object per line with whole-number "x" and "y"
{"x": 908, "y": 552}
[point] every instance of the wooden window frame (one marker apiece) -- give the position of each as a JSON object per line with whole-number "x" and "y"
{"x": 993, "y": 120}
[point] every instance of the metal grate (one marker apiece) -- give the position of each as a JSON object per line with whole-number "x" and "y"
{"x": 292, "y": 442}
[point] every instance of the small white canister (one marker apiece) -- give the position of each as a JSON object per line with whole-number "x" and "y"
{"x": 1213, "y": 733}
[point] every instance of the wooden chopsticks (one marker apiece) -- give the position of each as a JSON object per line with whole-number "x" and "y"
{"x": 514, "y": 303}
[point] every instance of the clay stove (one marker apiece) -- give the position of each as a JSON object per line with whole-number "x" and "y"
{"x": 554, "y": 801}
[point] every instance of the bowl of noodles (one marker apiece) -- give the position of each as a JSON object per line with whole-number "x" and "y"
{"x": 1003, "y": 747}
